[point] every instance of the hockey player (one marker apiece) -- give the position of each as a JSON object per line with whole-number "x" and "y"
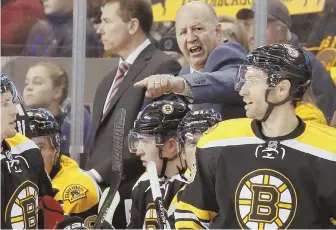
{"x": 190, "y": 130}
{"x": 154, "y": 138}
{"x": 22, "y": 121}
{"x": 270, "y": 171}
{"x": 23, "y": 177}
{"x": 192, "y": 127}
{"x": 77, "y": 192}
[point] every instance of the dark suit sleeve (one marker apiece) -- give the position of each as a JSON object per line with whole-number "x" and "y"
{"x": 215, "y": 83}
{"x": 195, "y": 210}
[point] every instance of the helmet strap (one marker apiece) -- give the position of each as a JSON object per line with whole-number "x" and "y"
{"x": 272, "y": 105}
{"x": 165, "y": 161}
{"x": 182, "y": 170}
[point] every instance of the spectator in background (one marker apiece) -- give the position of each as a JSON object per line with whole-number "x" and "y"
{"x": 94, "y": 12}
{"x": 233, "y": 30}
{"x": 322, "y": 39}
{"x": 245, "y": 18}
{"x": 168, "y": 44}
{"x": 158, "y": 30}
{"x": 53, "y": 37}
{"x": 323, "y": 34}
{"x": 17, "y": 19}
{"x": 278, "y": 31}
{"x": 47, "y": 86}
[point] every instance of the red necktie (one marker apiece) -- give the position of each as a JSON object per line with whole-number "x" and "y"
{"x": 123, "y": 68}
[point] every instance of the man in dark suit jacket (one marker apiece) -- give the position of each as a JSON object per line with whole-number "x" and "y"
{"x": 124, "y": 31}
{"x": 212, "y": 64}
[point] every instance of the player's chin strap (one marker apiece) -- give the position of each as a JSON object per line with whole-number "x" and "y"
{"x": 165, "y": 162}
{"x": 272, "y": 105}
{"x": 182, "y": 170}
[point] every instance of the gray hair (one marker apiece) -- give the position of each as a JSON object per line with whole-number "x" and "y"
{"x": 288, "y": 32}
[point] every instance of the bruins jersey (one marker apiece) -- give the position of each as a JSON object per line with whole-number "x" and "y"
{"x": 143, "y": 213}
{"x": 77, "y": 192}
{"x": 246, "y": 180}
{"x": 23, "y": 181}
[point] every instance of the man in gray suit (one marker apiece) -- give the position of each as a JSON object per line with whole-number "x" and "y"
{"x": 124, "y": 31}
{"x": 212, "y": 64}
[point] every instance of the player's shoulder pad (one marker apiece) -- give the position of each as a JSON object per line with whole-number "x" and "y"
{"x": 20, "y": 143}
{"x": 319, "y": 136}
{"x": 233, "y": 128}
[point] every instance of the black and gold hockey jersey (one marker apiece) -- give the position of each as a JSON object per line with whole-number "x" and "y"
{"x": 143, "y": 213}
{"x": 77, "y": 192}
{"x": 23, "y": 180}
{"x": 245, "y": 180}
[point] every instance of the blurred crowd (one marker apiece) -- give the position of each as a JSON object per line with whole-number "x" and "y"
{"x": 152, "y": 95}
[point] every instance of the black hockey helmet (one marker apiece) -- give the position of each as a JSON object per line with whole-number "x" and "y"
{"x": 280, "y": 61}
{"x": 8, "y": 85}
{"x": 158, "y": 119}
{"x": 43, "y": 123}
{"x": 197, "y": 122}
{"x": 157, "y": 122}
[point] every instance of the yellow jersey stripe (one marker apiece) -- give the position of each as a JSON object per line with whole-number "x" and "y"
{"x": 200, "y": 214}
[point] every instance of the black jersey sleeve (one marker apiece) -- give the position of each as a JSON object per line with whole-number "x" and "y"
{"x": 327, "y": 191}
{"x": 198, "y": 205}
{"x": 137, "y": 218}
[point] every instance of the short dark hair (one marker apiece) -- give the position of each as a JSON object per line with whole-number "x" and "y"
{"x": 140, "y": 9}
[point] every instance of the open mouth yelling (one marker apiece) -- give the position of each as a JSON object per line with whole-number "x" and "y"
{"x": 195, "y": 50}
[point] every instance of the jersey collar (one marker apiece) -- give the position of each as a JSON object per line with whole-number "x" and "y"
{"x": 256, "y": 128}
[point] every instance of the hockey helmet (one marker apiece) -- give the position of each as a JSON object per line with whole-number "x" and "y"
{"x": 157, "y": 120}
{"x": 195, "y": 123}
{"x": 8, "y": 85}
{"x": 43, "y": 123}
{"x": 279, "y": 61}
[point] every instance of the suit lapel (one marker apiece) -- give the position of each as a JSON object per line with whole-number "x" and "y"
{"x": 139, "y": 64}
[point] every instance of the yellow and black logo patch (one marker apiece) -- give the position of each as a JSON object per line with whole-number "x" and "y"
{"x": 74, "y": 192}
{"x": 22, "y": 208}
{"x": 265, "y": 199}
{"x": 90, "y": 221}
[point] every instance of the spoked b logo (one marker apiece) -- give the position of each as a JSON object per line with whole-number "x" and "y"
{"x": 265, "y": 199}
